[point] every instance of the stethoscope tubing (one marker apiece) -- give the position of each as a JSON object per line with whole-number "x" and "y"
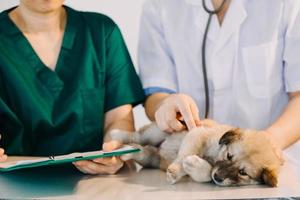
{"x": 204, "y": 68}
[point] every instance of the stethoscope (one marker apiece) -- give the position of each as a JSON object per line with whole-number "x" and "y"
{"x": 211, "y": 13}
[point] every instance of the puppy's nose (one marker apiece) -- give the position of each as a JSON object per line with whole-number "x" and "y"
{"x": 218, "y": 179}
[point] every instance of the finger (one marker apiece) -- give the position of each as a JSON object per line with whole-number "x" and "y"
{"x": 104, "y": 161}
{"x": 187, "y": 116}
{"x": 172, "y": 122}
{"x": 160, "y": 121}
{"x": 3, "y": 158}
{"x": 176, "y": 125}
{"x": 165, "y": 127}
{"x": 78, "y": 165}
{"x": 84, "y": 167}
{"x": 112, "y": 145}
{"x": 96, "y": 168}
{"x": 162, "y": 124}
{"x": 108, "y": 161}
{"x": 198, "y": 123}
{"x": 1, "y": 151}
{"x": 88, "y": 169}
{"x": 99, "y": 168}
{"x": 81, "y": 162}
{"x": 83, "y": 170}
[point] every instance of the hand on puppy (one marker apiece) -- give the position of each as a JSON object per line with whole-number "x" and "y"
{"x": 109, "y": 165}
{"x": 175, "y": 109}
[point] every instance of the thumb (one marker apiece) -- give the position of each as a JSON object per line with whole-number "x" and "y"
{"x": 112, "y": 145}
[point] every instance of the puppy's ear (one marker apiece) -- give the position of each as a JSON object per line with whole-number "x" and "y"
{"x": 230, "y": 136}
{"x": 270, "y": 177}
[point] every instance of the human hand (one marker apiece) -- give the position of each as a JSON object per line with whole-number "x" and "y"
{"x": 3, "y": 156}
{"x": 175, "y": 107}
{"x": 109, "y": 165}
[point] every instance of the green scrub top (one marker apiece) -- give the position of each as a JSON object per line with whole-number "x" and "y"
{"x": 45, "y": 112}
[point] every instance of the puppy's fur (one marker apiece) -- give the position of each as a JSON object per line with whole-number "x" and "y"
{"x": 221, "y": 153}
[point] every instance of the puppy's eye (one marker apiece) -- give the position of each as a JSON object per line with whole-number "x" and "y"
{"x": 229, "y": 156}
{"x": 242, "y": 172}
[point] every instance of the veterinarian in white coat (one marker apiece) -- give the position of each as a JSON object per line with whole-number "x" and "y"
{"x": 252, "y": 58}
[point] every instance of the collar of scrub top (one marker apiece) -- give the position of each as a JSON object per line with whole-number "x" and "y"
{"x": 47, "y": 76}
{"x": 234, "y": 17}
{"x": 70, "y": 29}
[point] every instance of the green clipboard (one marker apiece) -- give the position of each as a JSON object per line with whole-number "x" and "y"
{"x": 73, "y": 157}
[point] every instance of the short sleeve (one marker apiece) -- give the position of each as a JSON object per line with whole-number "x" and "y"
{"x": 292, "y": 48}
{"x": 155, "y": 61}
{"x": 123, "y": 85}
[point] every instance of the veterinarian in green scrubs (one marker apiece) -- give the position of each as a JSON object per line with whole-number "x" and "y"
{"x": 52, "y": 109}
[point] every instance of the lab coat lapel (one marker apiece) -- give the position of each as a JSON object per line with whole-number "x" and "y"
{"x": 200, "y": 19}
{"x": 234, "y": 18}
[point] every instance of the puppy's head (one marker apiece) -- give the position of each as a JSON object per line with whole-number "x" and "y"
{"x": 245, "y": 158}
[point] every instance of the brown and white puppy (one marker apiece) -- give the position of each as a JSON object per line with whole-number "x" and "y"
{"x": 226, "y": 155}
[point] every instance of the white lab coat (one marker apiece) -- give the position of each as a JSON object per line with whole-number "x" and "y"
{"x": 253, "y": 59}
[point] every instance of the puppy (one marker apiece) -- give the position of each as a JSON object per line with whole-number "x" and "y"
{"x": 226, "y": 155}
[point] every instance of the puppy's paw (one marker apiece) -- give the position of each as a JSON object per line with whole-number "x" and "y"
{"x": 197, "y": 168}
{"x": 174, "y": 173}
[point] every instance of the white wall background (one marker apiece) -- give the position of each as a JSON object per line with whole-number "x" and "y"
{"x": 126, "y": 13}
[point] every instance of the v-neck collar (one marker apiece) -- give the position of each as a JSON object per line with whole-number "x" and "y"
{"x": 67, "y": 42}
{"x": 51, "y": 79}
{"x": 219, "y": 34}
{"x": 70, "y": 30}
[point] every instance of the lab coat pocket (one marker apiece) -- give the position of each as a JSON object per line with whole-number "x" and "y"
{"x": 263, "y": 69}
{"x": 93, "y": 112}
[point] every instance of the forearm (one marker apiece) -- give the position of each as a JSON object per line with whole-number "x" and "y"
{"x": 126, "y": 124}
{"x": 286, "y": 129}
{"x": 119, "y": 118}
{"x": 153, "y": 102}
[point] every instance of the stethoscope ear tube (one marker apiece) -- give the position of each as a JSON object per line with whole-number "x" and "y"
{"x": 204, "y": 69}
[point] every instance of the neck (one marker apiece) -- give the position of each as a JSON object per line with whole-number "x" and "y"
{"x": 217, "y": 3}
{"x": 30, "y": 21}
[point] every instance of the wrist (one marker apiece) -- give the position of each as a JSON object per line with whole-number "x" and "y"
{"x": 153, "y": 102}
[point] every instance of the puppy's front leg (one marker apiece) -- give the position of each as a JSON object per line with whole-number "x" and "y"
{"x": 197, "y": 168}
{"x": 175, "y": 172}
{"x": 192, "y": 144}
